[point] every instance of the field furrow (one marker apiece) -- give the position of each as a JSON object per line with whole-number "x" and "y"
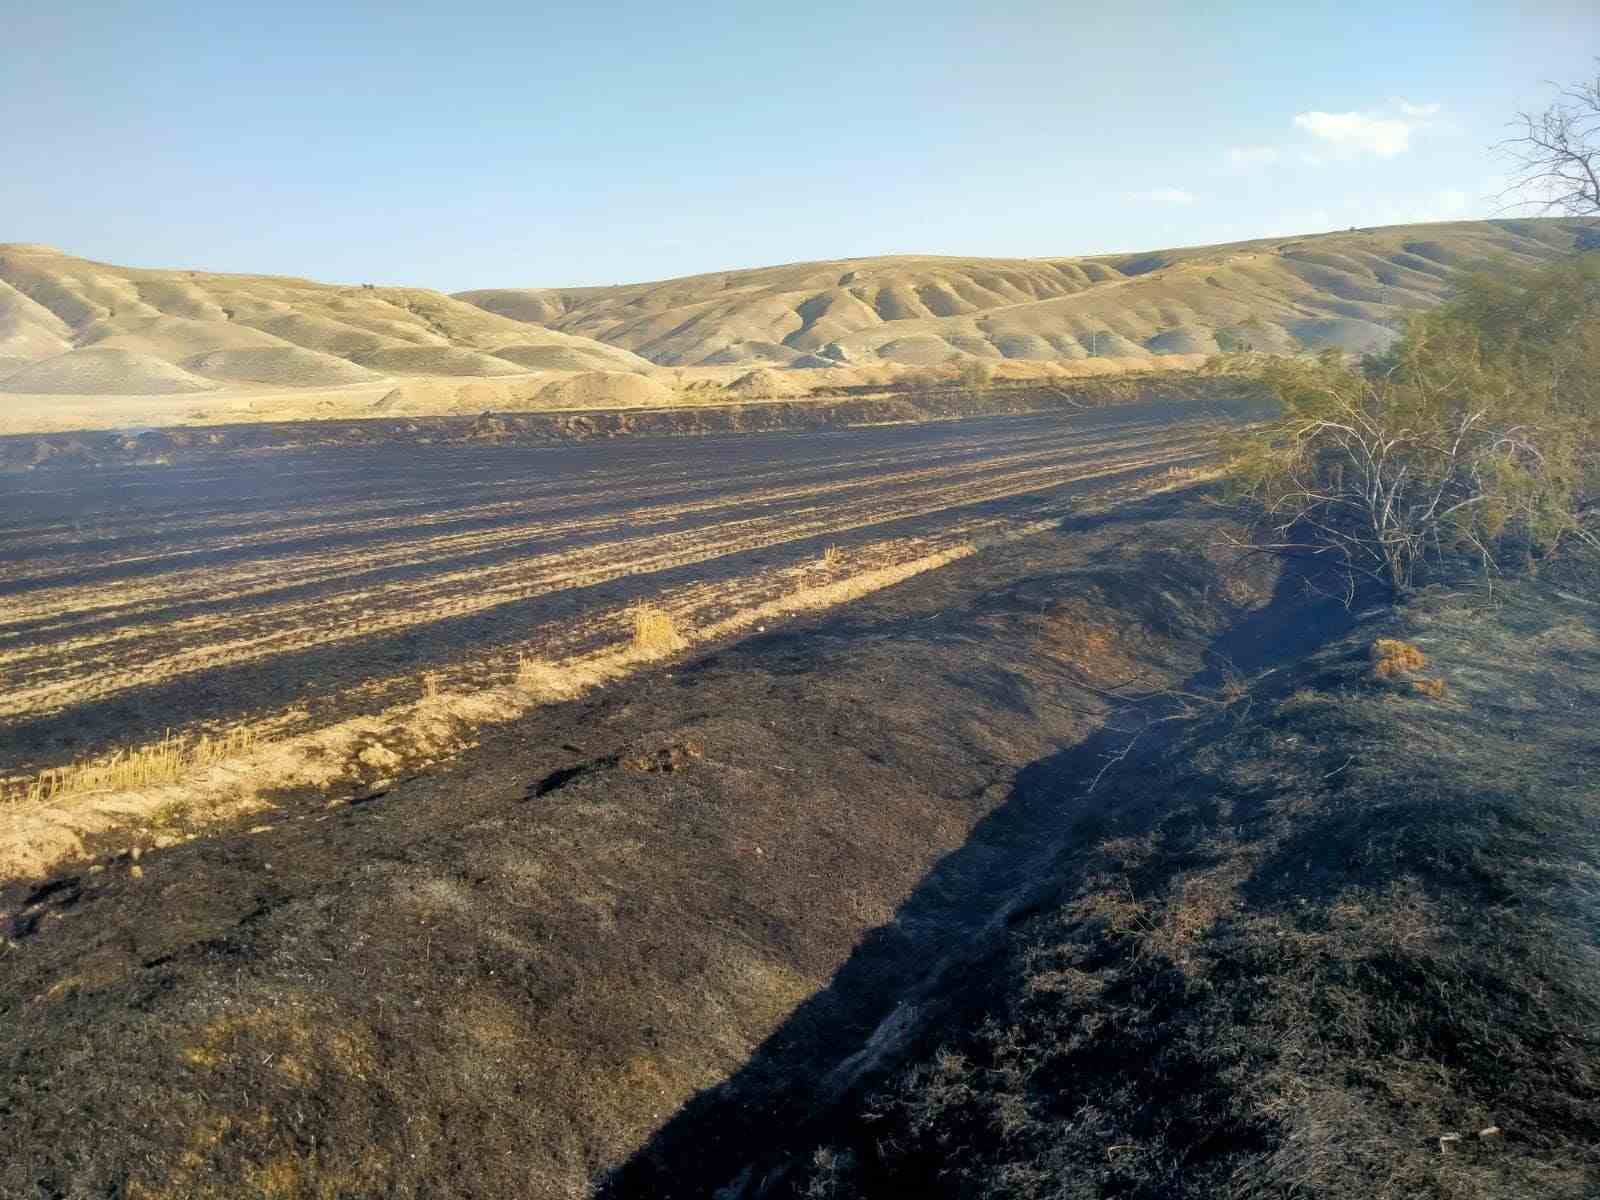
{"x": 140, "y": 599}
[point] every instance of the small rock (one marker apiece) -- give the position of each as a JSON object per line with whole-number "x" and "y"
{"x": 133, "y": 854}
{"x": 136, "y": 872}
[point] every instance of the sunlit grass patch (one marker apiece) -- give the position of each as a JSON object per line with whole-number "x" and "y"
{"x": 126, "y": 770}
{"x": 654, "y": 631}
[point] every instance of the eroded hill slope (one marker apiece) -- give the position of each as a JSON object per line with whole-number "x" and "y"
{"x": 69, "y": 326}
{"x": 1347, "y": 290}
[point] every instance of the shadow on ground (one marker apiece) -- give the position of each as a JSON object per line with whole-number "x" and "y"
{"x": 853, "y": 1033}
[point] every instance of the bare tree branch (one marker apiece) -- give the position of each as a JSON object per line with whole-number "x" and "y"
{"x": 1557, "y": 154}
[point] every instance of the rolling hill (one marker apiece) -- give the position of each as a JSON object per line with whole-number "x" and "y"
{"x": 1347, "y": 290}
{"x": 87, "y": 345}
{"x": 69, "y": 326}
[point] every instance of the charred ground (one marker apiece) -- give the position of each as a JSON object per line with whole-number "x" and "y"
{"x": 1338, "y": 939}
{"x": 833, "y": 911}
{"x": 469, "y": 987}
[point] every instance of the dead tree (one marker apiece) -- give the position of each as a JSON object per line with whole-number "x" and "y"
{"x": 1557, "y": 154}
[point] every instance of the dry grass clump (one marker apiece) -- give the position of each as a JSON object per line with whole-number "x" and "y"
{"x": 1078, "y": 634}
{"x": 542, "y": 677}
{"x": 1391, "y": 658}
{"x": 654, "y": 631}
{"x": 160, "y": 763}
{"x": 825, "y": 571}
{"x": 1394, "y": 661}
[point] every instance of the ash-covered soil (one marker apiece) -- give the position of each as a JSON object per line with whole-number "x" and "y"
{"x": 1336, "y": 937}
{"x": 503, "y": 977}
{"x": 848, "y": 909}
{"x": 299, "y": 586}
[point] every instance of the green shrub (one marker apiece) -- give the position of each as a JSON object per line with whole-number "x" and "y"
{"x": 1480, "y": 426}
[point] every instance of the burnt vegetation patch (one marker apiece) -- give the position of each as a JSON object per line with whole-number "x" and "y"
{"x": 1344, "y": 947}
{"x": 833, "y": 911}
{"x": 459, "y": 988}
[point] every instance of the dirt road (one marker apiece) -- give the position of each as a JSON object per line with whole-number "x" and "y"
{"x": 308, "y": 585}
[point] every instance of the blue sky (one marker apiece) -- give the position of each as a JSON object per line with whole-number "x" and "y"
{"x": 471, "y": 144}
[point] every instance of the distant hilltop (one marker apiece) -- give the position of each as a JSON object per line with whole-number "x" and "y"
{"x": 72, "y": 330}
{"x": 1347, "y": 290}
{"x": 69, "y": 326}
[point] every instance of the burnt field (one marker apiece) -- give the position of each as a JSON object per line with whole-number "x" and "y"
{"x": 927, "y": 894}
{"x": 295, "y": 588}
{"x": 505, "y": 976}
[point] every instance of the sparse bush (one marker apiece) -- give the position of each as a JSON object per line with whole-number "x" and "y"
{"x": 923, "y": 379}
{"x": 829, "y": 1168}
{"x": 1478, "y": 433}
{"x": 975, "y": 375}
{"x": 1558, "y": 152}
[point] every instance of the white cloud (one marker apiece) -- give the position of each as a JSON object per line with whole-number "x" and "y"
{"x": 1359, "y": 133}
{"x": 1384, "y": 135}
{"x": 1166, "y": 197}
{"x": 1252, "y": 156}
{"x": 1335, "y": 136}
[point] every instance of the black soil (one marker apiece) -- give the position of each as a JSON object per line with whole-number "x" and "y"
{"x": 1338, "y": 938}
{"x": 501, "y": 978}
{"x": 834, "y": 911}
{"x": 141, "y": 598}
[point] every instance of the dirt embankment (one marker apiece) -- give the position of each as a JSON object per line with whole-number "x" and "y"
{"x": 501, "y": 978}
{"x": 26, "y": 451}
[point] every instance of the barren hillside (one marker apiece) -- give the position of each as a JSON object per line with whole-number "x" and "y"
{"x": 1348, "y": 290}
{"x": 74, "y": 328}
{"x": 86, "y": 345}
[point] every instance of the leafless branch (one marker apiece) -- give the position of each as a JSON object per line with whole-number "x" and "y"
{"x": 1557, "y": 154}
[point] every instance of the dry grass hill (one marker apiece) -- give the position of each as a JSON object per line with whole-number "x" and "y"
{"x": 74, "y": 330}
{"x": 1346, "y": 290}
{"x": 84, "y": 345}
